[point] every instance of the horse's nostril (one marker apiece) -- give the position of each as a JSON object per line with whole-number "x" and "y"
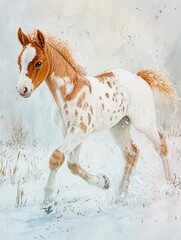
{"x": 25, "y": 90}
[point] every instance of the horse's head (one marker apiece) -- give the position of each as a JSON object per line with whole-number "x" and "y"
{"x": 33, "y": 62}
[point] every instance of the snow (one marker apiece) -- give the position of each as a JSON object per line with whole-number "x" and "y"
{"x": 151, "y": 209}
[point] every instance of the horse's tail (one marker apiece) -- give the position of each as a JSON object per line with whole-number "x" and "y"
{"x": 158, "y": 81}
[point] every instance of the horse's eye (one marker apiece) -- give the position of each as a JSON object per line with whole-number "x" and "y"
{"x": 38, "y": 64}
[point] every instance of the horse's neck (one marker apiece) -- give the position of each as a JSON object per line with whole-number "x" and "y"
{"x": 62, "y": 77}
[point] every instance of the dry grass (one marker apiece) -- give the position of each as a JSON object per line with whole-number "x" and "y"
{"x": 18, "y": 165}
{"x": 17, "y": 168}
{"x": 175, "y": 128}
{"x": 14, "y": 169}
{"x": 3, "y": 172}
{"x": 3, "y": 165}
{"x": 21, "y": 199}
{"x": 15, "y": 164}
{"x": 17, "y": 135}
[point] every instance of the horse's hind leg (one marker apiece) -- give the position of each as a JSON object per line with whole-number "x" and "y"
{"x": 121, "y": 134}
{"x": 164, "y": 157}
{"x": 131, "y": 155}
{"x": 100, "y": 181}
{"x": 143, "y": 117}
{"x": 159, "y": 142}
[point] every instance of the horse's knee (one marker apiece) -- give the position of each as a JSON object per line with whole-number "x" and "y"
{"x": 56, "y": 160}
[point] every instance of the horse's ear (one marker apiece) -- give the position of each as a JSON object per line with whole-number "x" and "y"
{"x": 23, "y": 38}
{"x": 40, "y": 38}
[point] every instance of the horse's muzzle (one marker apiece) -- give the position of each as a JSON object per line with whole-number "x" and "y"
{"x": 24, "y": 91}
{"x": 26, "y": 95}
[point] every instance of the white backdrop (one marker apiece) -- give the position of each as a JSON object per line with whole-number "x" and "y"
{"x": 103, "y": 34}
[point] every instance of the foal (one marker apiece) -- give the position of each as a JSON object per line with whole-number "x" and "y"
{"x": 112, "y": 100}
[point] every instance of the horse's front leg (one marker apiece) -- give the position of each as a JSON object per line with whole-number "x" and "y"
{"x": 56, "y": 160}
{"x": 100, "y": 180}
{"x": 73, "y": 138}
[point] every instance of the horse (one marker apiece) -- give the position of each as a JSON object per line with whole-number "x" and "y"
{"x": 114, "y": 100}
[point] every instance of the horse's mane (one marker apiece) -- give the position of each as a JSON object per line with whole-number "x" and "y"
{"x": 63, "y": 48}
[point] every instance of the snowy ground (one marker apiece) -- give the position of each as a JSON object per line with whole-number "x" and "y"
{"x": 152, "y": 209}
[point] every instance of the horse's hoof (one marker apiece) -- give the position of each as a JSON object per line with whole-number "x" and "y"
{"x": 48, "y": 209}
{"x": 107, "y": 182}
{"x": 48, "y": 206}
{"x": 176, "y": 181}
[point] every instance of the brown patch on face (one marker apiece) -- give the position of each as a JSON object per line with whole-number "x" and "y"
{"x": 92, "y": 125}
{"x": 89, "y": 118}
{"x": 81, "y": 100}
{"x": 100, "y": 98}
{"x": 102, "y": 76}
{"x": 65, "y": 106}
{"x": 107, "y": 95}
{"x": 19, "y": 59}
{"x": 83, "y": 127}
{"x": 56, "y": 159}
{"x": 103, "y": 106}
{"x": 38, "y": 74}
